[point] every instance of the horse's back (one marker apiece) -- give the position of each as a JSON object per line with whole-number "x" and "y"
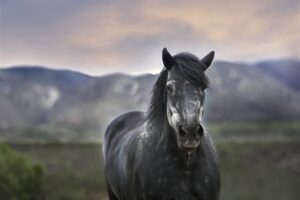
{"x": 121, "y": 126}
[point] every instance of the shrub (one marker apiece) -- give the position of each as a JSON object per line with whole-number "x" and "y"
{"x": 20, "y": 179}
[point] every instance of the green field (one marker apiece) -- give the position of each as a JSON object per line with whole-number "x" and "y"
{"x": 71, "y": 171}
{"x": 265, "y": 170}
{"x": 260, "y": 170}
{"x": 258, "y": 161}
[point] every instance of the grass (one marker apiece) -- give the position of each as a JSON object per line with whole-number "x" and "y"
{"x": 260, "y": 170}
{"x": 270, "y": 130}
{"x": 258, "y": 161}
{"x": 72, "y": 171}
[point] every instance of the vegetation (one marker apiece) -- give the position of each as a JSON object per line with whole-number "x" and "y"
{"x": 258, "y": 161}
{"x": 72, "y": 171}
{"x": 259, "y": 131}
{"x": 20, "y": 179}
{"x": 260, "y": 170}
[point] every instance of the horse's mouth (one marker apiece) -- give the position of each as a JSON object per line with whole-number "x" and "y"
{"x": 189, "y": 148}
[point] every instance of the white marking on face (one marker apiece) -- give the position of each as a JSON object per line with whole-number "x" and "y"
{"x": 201, "y": 113}
{"x": 173, "y": 115}
{"x": 190, "y": 105}
{"x": 191, "y": 108}
{"x": 171, "y": 82}
{"x": 172, "y": 112}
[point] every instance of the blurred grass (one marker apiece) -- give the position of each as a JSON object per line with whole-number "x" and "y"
{"x": 258, "y": 162}
{"x": 270, "y": 130}
{"x": 265, "y": 170}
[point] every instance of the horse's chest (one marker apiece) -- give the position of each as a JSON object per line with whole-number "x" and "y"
{"x": 184, "y": 188}
{"x": 171, "y": 184}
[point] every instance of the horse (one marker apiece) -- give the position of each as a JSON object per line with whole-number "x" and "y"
{"x": 165, "y": 153}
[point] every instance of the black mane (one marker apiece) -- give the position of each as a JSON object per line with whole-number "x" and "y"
{"x": 190, "y": 68}
{"x": 157, "y": 105}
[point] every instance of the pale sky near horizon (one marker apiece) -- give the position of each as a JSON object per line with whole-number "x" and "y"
{"x": 100, "y": 36}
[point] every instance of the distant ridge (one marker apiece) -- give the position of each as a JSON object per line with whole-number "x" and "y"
{"x": 286, "y": 71}
{"x": 77, "y": 105}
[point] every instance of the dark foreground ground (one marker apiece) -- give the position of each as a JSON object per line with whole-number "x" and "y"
{"x": 251, "y": 169}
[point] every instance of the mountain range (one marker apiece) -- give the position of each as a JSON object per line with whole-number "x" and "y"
{"x": 37, "y": 102}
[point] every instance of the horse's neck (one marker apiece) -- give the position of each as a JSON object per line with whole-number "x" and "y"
{"x": 163, "y": 139}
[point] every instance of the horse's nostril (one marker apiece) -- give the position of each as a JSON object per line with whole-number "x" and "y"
{"x": 200, "y": 130}
{"x": 182, "y": 133}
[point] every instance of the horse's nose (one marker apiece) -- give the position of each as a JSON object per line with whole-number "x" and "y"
{"x": 191, "y": 132}
{"x": 190, "y": 137}
{"x": 194, "y": 130}
{"x": 200, "y": 130}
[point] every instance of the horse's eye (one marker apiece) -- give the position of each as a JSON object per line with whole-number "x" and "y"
{"x": 170, "y": 88}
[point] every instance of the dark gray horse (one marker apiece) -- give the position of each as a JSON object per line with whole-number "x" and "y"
{"x": 165, "y": 153}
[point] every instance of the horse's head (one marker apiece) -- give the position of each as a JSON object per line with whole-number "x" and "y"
{"x": 185, "y": 95}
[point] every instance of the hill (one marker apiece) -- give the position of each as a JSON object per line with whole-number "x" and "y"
{"x": 46, "y": 104}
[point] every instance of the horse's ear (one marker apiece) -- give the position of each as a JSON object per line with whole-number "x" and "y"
{"x": 168, "y": 60}
{"x": 207, "y": 60}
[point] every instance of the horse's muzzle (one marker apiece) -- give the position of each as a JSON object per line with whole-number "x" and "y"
{"x": 190, "y": 137}
{"x": 190, "y": 145}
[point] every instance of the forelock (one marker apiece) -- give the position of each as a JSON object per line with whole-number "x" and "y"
{"x": 190, "y": 68}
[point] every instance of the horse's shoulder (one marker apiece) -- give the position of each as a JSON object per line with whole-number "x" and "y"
{"x": 122, "y": 123}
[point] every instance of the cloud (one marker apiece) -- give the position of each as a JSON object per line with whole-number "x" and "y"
{"x": 106, "y": 36}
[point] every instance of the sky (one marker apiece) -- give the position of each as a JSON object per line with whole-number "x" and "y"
{"x": 106, "y": 36}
